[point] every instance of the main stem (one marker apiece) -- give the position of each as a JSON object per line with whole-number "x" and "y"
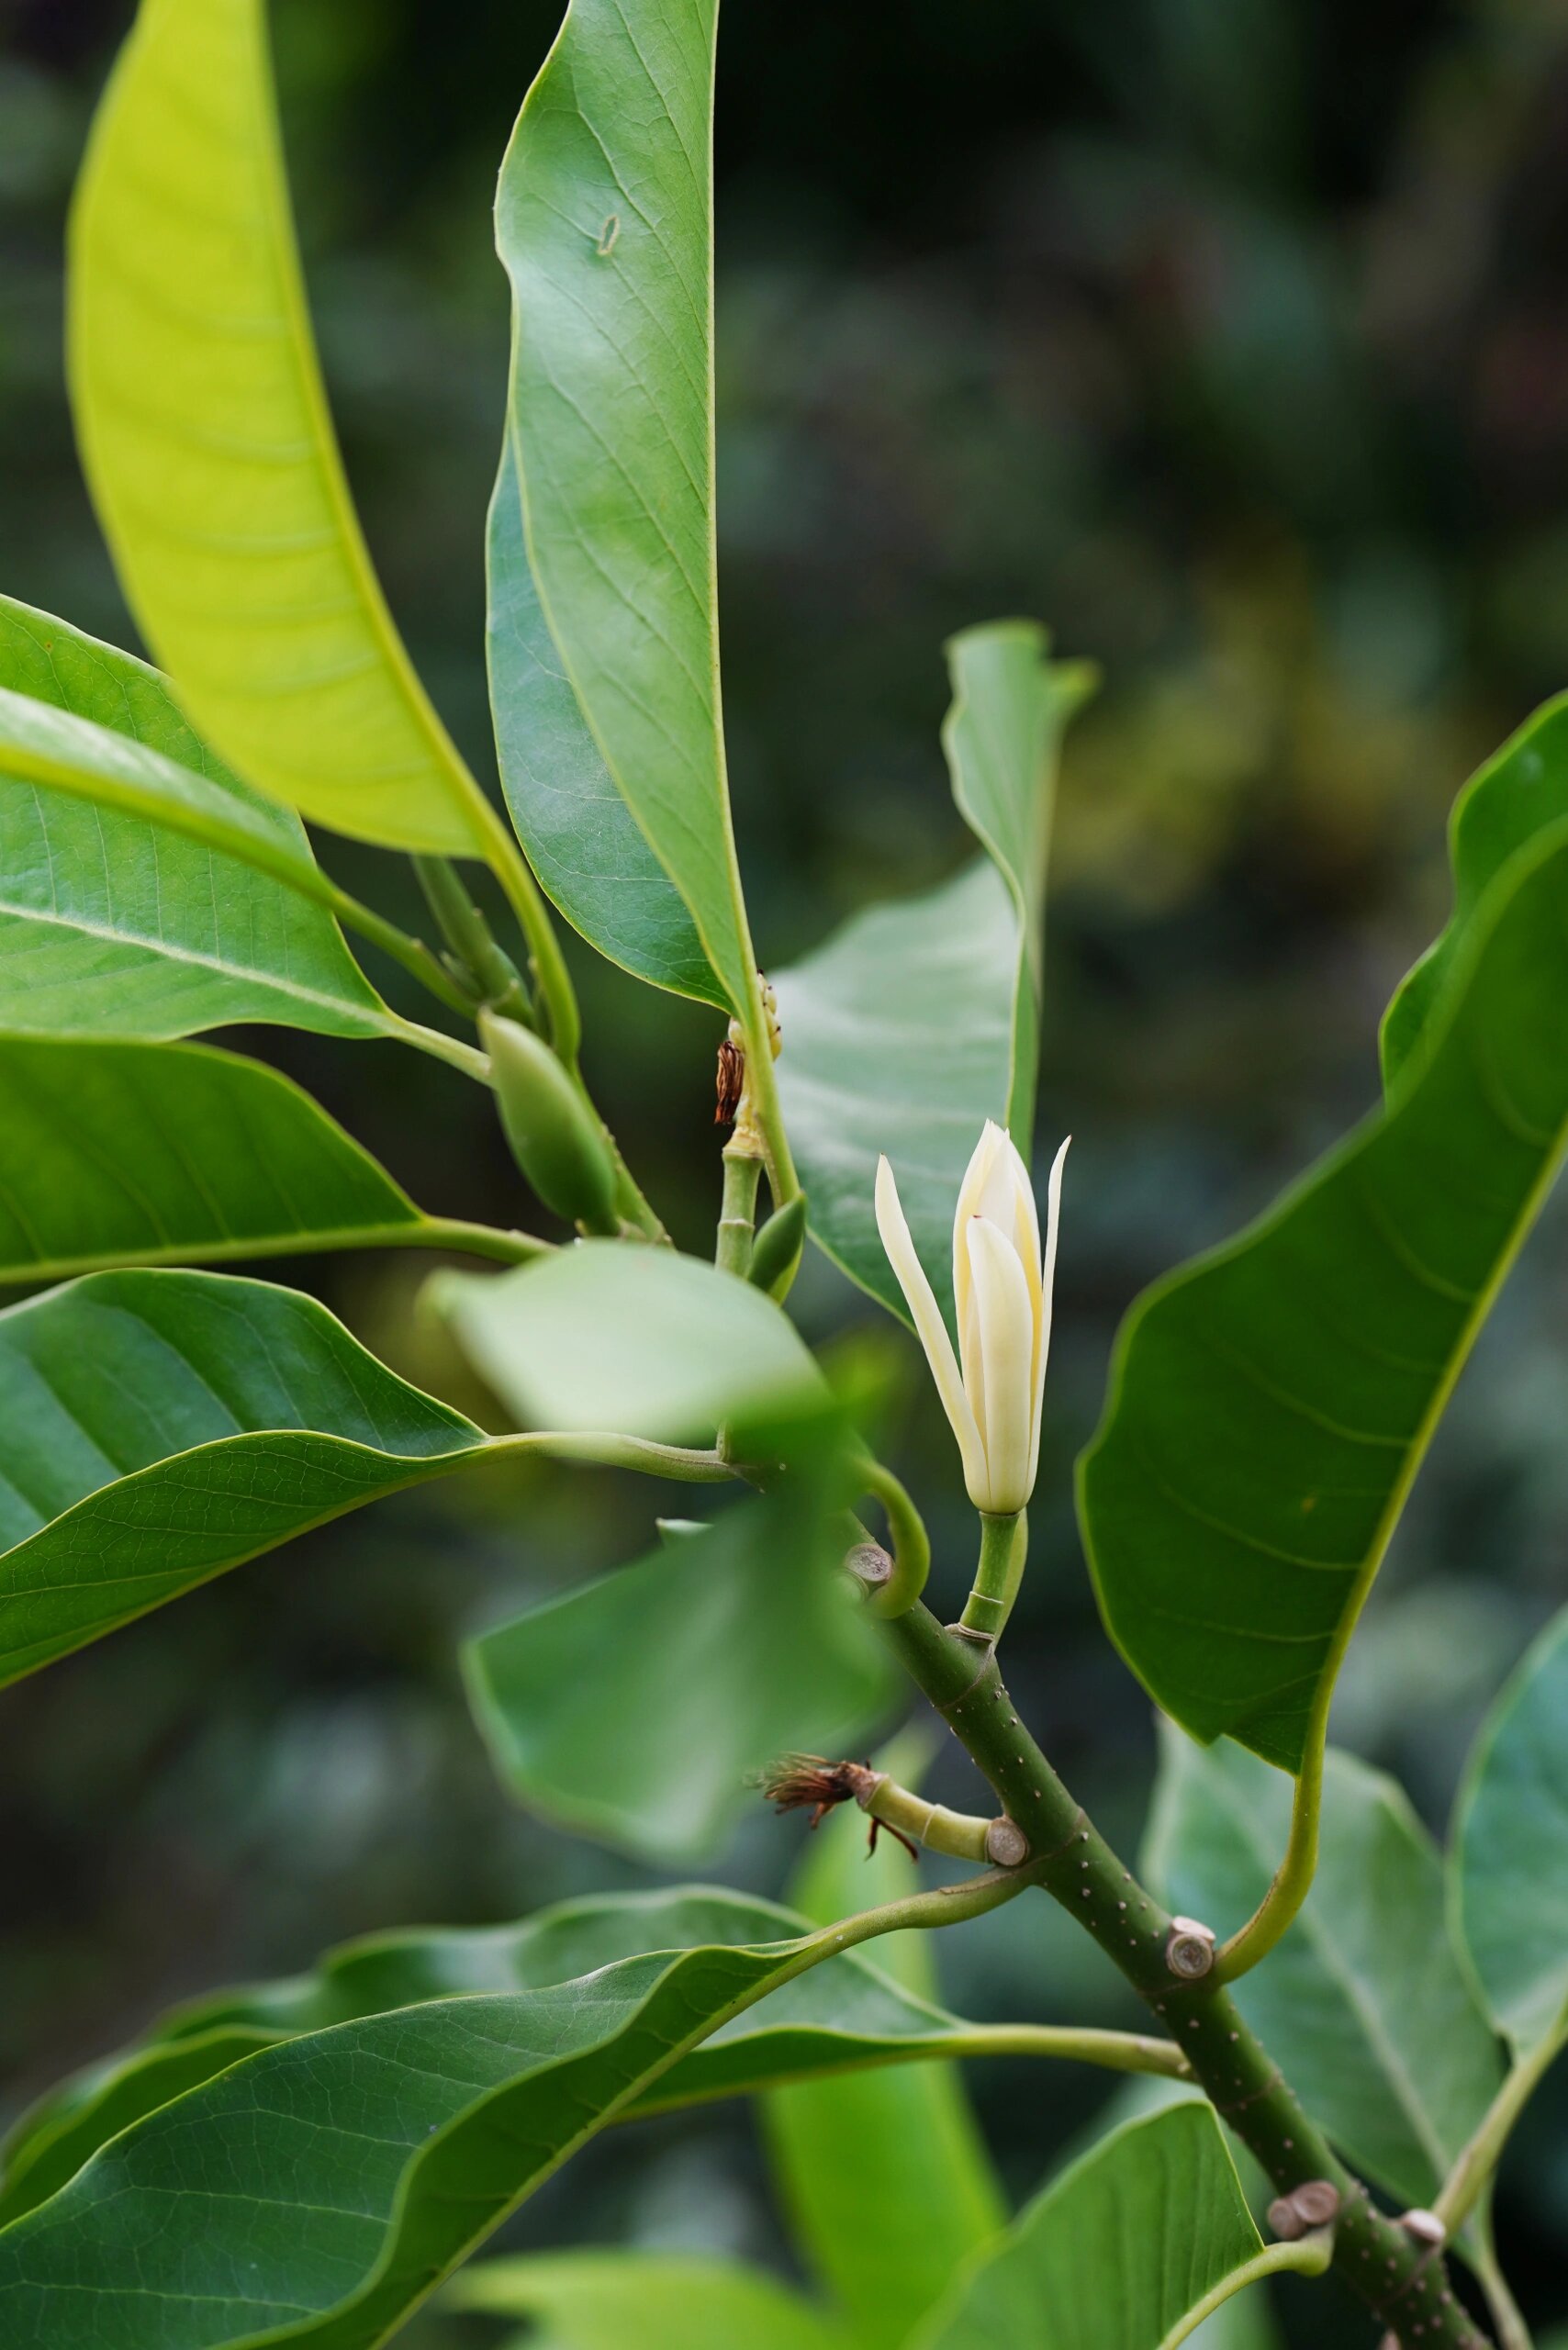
{"x": 1399, "y": 2280}
{"x": 737, "y": 1213}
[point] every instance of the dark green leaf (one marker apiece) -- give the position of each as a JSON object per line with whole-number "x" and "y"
{"x": 658, "y": 2300}
{"x": 122, "y": 1153}
{"x": 1510, "y": 1861}
{"x": 919, "y": 1021}
{"x": 1002, "y": 735}
{"x": 639, "y": 1707}
{"x": 146, "y": 890}
{"x": 1512, "y": 798}
{"x": 156, "y": 1427}
{"x": 1363, "y": 2003}
{"x": 885, "y": 2175}
{"x": 581, "y": 837}
{"x": 1271, "y": 1405}
{"x": 316, "y": 2190}
{"x": 897, "y": 1038}
{"x": 843, "y": 2012}
{"x": 604, "y": 222}
{"x": 1120, "y": 2253}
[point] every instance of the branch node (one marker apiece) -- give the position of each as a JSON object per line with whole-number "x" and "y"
{"x": 1190, "y": 1949}
{"x": 1313, "y": 2205}
{"x": 1005, "y": 1843}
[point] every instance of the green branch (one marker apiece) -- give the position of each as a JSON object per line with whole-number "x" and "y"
{"x": 464, "y": 1057}
{"x": 1281, "y": 1906}
{"x": 547, "y": 961}
{"x": 1472, "y": 2173}
{"x": 606, "y": 1449}
{"x": 737, "y": 1211}
{"x": 1395, "y": 2277}
{"x": 495, "y": 977}
{"x": 1308, "y": 2257}
{"x": 1111, "y": 2052}
{"x": 910, "y": 1562}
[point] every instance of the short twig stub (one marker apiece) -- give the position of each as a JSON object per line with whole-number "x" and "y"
{"x": 1190, "y": 1949}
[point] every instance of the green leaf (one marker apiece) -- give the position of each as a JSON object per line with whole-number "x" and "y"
{"x": 140, "y": 894}
{"x": 209, "y": 451}
{"x": 1269, "y": 1406}
{"x": 1510, "y": 1857}
{"x": 659, "y": 2301}
{"x": 638, "y": 1708}
{"x": 156, "y": 1427}
{"x": 318, "y": 2190}
{"x": 582, "y": 839}
{"x": 1502, "y": 807}
{"x": 885, "y": 2175}
{"x": 1001, "y": 735}
{"x": 897, "y": 1038}
{"x": 124, "y": 1154}
{"x": 611, "y": 1336}
{"x": 1244, "y": 2321}
{"x": 1364, "y": 2005}
{"x": 917, "y": 1022}
{"x": 604, "y": 223}
{"x": 1127, "y": 2251}
{"x": 844, "y": 2012}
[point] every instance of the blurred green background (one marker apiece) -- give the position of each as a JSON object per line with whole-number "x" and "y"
{"x": 1228, "y": 337}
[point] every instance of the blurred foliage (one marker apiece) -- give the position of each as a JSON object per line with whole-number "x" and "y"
{"x": 1230, "y": 341}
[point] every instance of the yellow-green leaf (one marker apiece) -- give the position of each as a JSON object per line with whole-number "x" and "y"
{"x": 209, "y": 448}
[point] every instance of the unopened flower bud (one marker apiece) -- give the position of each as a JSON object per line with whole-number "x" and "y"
{"x": 776, "y": 1249}
{"x": 993, "y": 1387}
{"x": 554, "y": 1135}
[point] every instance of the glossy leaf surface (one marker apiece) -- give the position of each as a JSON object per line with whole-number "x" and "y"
{"x": 845, "y": 2011}
{"x": 582, "y": 839}
{"x": 1510, "y": 1859}
{"x": 156, "y": 1427}
{"x": 1502, "y": 807}
{"x": 604, "y": 222}
{"x": 1271, "y": 1405}
{"x": 660, "y": 2300}
{"x": 640, "y": 1708}
{"x": 917, "y": 1022}
{"x": 125, "y": 1154}
{"x": 315, "y": 2191}
{"x": 1002, "y": 735}
{"x": 1364, "y": 2005}
{"x": 1116, "y": 2254}
{"x": 210, "y": 448}
{"x": 140, "y": 895}
{"x": 603, "y": 1335}
{"x": 898, "y": 1037}
{"x": 885, "y": 2175}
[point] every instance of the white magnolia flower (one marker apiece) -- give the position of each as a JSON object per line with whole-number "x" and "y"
{"x": 1001, "y": 1286}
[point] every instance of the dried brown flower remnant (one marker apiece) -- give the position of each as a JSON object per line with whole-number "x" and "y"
{"x": 810, "y": 1783}
{"x": 730, "y": 1084}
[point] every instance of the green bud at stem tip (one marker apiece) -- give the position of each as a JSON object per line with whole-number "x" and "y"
{"x": 776, "y": 1249}
{"x": 552, "y": 1132}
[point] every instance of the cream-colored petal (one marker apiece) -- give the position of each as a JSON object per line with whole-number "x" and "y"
{"x": 1010, "y": 1201}
{"x": 972, "y": 1201}
{"x": 1006, "y": 1321}
{"x": 971, "y": 1357}
{"x": 1047, "y": 1286}
{"x": 898, "y": 1242}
